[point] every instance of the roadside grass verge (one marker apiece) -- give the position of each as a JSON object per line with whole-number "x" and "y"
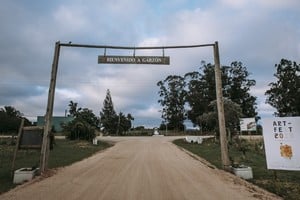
{"x": 65, "y": 152}
{"x": 283, "y": 183}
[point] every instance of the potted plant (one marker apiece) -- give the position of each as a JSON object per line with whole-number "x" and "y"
{"x": 237, "y": 168}
{"x": 25, "y": 174}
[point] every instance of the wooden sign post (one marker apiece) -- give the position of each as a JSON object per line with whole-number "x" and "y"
{"x": 30, "y": 137}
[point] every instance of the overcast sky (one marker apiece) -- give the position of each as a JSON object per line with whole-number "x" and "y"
{"x": 256, "y": 32}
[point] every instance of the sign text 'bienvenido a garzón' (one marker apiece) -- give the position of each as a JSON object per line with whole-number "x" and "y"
{"x": 154, "y": 60}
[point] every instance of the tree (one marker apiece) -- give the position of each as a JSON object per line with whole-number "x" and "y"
{"x": 284, "y": 94}
{"x": 239, "y": 86}
{"x": 201, "y": 90}
{"x": 108, "y": 116}
{"x": 172, "y": 93}
{"x": 124, "y": 123}
{"x": 10, "y": 119}
{"x": 127, "y": 122}
{"x": 73, "y": 110}
{"x": 11, "y": 112}
{"x": 83, "y": 125}
{"x": 236, "y": 87}
{"x": 209, "y": 120}
{"x": 110, "y": 121}
{"x": 88, "y": 116}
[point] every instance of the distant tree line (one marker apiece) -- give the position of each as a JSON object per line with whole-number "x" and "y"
{"x": 193, "y": 95}
{"x": 84, "y": 124}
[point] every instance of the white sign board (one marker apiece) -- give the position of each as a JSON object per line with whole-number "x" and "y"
{"x": 247, "y": 124}
{"x": 282, "y": 139}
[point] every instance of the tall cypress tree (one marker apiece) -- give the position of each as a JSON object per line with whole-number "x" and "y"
{"x": 108, "y": 116}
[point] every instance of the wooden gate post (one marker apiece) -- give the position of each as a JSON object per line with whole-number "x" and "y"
{"x": 49, "y": 111}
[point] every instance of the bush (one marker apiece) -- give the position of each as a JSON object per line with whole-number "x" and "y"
{"x": 79, "y": 130}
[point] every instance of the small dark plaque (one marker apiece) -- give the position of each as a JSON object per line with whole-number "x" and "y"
{"x": 153, "y": 60}
{"x": 31, "y": 138}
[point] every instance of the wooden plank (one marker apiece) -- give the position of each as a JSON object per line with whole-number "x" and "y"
{"x": 17, "y": 147}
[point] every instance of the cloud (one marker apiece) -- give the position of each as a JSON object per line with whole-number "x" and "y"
{"x": 265, "y": 110}
{"x": 258, "y": 33}
{"x": 70, "y": 18}
{"x": 266, "y": 4}
{"x": 150, "y": 112}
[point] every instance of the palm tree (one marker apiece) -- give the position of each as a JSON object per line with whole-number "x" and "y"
{"x": 73, "y": 110}
{"x": 11, "y": 111}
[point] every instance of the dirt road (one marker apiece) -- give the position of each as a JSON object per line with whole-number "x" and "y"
{"x": 137, "y": 169}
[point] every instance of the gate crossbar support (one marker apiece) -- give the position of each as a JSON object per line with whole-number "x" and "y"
{"x": 127, "y": 47}
{"x": 49, "y": 111}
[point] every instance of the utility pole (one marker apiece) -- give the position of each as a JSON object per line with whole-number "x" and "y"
{"x": 48, "y": 117}
{"x": 220, "y": 105}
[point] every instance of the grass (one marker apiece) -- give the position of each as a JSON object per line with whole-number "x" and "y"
{"x": 65, "y": 152}
{"x": 283, "y": 183}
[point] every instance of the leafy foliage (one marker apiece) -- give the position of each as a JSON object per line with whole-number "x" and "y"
{"x": 239, "y": 89}
{"x": 73, "y": 110}
{"x": 201, "y": 92}
{"x": 124, "y": 123}
{"x": 108, "y": 116}
{"x": 172, "y": 93}
{"x": 209, "y": 120}
{"x": 111, "y": 123}
{"x": 284, "y": 94}
{"x": 84, "y": 124}
{"x": 10, "y": 119}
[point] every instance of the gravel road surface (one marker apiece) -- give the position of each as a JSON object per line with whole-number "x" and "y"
{"x": 138, "y": 168}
